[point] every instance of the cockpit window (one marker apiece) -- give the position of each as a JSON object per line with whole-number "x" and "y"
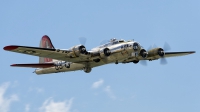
{"x": 112, "y": 42}
{"x": 116, "y": 42}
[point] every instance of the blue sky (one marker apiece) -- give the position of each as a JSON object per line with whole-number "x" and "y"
{"x": 173, "y": 87}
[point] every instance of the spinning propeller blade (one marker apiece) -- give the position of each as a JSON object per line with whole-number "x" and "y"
{"x": 163, "y": 61}
{"x": 143, "y": 62}
{"x": 166, "y": 47}
{"x": 82, "y": 40}
{"x": 104, "y": 42}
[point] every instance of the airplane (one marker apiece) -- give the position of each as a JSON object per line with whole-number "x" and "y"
{"x": 53, "y": 60}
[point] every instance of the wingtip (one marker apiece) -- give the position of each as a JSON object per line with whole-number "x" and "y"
{"x": 13, "y": 65}
{"x": 192, "y": 52}
{"x": 9, "y": 48}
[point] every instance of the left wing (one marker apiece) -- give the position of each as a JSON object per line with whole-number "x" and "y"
{"x": 65, "y": 55}
{"x": 34, "y": 65}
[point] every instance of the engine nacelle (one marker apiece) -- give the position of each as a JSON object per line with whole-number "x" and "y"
{"x": 79, "y": 49}
{"x": 105, "y": 52}
{"x": 156, "y": 52}
{"x": 143, "y": 53}
{"x": 136, "y": 46}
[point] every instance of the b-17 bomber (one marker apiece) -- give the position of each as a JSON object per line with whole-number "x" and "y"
{"x": 54, "y": 60}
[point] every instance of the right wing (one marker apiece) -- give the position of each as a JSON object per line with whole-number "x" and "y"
{"x": 170, "y": 54}
{"x": 65, "y": 55}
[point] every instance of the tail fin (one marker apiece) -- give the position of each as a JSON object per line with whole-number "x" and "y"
{"x": 46, "y": 43}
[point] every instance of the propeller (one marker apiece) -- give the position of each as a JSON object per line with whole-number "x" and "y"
{"x": 166, "y": 47}
{"x": 143, "y": 62}
{"x": 82, "y": 40}
{"x": 104, "y": 42}
{"x": 163, "y": 60}
{"x": 152, "y": 46}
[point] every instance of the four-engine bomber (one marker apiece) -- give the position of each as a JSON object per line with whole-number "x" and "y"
{"x": 52, "y": 60}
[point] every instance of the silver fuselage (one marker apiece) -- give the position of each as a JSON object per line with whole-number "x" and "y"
{"x": 122, "y": 51}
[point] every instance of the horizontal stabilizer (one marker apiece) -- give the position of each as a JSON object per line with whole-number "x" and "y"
{"x": 34, "y": 65}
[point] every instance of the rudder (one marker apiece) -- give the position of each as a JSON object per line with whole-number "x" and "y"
{"x": 45, "y": 43}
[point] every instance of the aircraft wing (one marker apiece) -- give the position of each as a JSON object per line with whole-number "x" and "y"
{"x": 169, "y": 54}
{"x": 173, "y": 54}
{"x": 65, "y": 55}
{"x": 34, "y": 65}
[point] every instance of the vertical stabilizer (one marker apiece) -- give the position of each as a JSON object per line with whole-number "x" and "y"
{"x": 46, "y": 43}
